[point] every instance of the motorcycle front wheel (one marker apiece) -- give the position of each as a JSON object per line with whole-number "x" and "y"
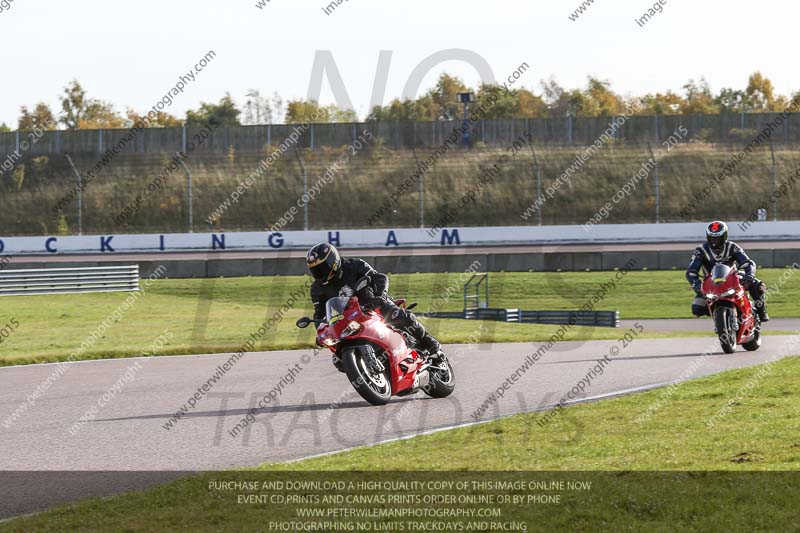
{"x": 368, "y": 376}
{"x": 727, "y": 338}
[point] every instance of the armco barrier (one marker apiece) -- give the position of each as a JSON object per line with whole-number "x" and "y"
{"x": 69, "y": 280}
{"x": 604, "y": 319}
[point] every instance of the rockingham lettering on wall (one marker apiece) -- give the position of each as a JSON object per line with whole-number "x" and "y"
{"x": 382, "y": 238}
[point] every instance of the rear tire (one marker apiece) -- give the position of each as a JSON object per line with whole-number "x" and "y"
{"x": 753, "y": 344}
{"x": 442, "y": 382}
{"x": 374, "y": 387}
{"x": 727, "y": 338}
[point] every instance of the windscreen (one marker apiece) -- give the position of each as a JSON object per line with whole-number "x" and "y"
{"x": 720, "y": 273}
{"x": 334, "y": 309}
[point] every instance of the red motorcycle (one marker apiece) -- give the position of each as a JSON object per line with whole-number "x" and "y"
{"x": 378, "y": 360}
{"x": 734, "y": 318}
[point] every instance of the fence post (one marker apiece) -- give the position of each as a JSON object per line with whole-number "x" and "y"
{"x": 538, "y": 185}
{"x": 190, "y": 194}
{"x": 569, "y": 128}
{"x": 305, "y": 189}
{"x": 421, "y": 189}
{"x": 774, "y": 182}
{"x": 656, "y": 128}
{"x": 80, "y": 195}
{"x": 658, "y": 184}
{"x": 17, "y": 136}
{"x": 312, "y": 139}
{"x": 183, "y": 138}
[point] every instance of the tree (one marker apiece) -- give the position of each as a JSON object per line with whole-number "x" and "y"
{"x": 225, "y": 113}
{"x": 444, "y": 97}
{"x": 556, "y": 98}
{"x": 698, "y": 99}
{"x": 531, "y": 105}
{"x": 100, "y": 115}
{"x": 760, "y": 94}
{"x": 601, "y": 99}
{"x": 668, "y": 103}
{"x": 162, "y": 120}
{"x": 78, "y": 111}
{"x": 396, "y": 110}
{"x": 298, "y": 111}
{"x": 564, "y": 102}
{"x": 278, "y": 108}
{"x": 40, "y": 118}
{"x": 731, "y": 101}
{"x": 257, "y": 109}
{"x": 4, "y": 128}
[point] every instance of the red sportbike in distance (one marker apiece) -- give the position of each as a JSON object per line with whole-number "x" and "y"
{"x": 379, "y": 361}
{"x": 735, "y": 320}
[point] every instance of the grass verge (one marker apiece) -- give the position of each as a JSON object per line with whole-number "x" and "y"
{"x": 218, "y": 315}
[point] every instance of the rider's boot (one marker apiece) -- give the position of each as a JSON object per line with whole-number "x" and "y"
{"x": 761, "y": 310}
{"x": 430, "y": 345}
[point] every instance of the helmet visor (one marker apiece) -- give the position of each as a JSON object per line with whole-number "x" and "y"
{"x": 716, "y": 242}
{"x": 321, "y": 272}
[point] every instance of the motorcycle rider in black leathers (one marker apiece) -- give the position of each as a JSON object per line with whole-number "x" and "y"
{"x": 718, "y": 249}
{"x": 335, "y": 276}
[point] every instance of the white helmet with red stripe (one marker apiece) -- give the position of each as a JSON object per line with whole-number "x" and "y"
{"x": 717, "y": 236}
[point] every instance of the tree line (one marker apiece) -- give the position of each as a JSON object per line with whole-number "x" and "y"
{"x": 80, "y": 111}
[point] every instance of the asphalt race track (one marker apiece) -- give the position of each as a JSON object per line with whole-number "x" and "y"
{"x": 128, "y": 432}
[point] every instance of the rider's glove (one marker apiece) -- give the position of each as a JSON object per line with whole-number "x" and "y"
{"x": 748, "y": 279}
{"x": 366, "y": 296}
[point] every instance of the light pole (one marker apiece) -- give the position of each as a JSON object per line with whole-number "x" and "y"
{"x": 466, "y": 99}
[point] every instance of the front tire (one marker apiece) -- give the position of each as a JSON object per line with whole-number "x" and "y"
{"x": 727, "y": 338}
{"x": 371, "y": 383}
{"x": 442, "y": 379}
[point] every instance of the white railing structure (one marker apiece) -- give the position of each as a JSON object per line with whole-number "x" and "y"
{"x": 69, "y": 280}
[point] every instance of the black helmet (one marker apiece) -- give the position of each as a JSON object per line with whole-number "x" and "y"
{"x": 717, "y": 236}
{"x": 323, "y": 261}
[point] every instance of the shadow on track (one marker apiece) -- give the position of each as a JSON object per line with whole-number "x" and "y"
{"x": 635, "y": 358}
{"x": 276, "y": 409}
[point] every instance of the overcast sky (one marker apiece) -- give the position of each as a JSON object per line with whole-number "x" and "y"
{"x": 130, "y": 53}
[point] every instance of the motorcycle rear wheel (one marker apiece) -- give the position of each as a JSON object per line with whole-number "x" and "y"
{"x": 753, "y": 344}
{"x": 727, "y": 338}
{"x": 374, "y": 386}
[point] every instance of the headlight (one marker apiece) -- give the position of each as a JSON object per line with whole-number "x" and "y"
{"x": 711, "y": 297}
{"x": 329, "y": 342}
{"x": 729, "y": 292}
{"x": 351, "y": 329}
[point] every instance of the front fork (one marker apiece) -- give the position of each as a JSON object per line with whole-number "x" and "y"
{"x": 733, "y": 319}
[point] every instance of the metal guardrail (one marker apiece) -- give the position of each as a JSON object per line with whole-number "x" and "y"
{"x": 605, "y": 319}
{"x": 69, "y": 280}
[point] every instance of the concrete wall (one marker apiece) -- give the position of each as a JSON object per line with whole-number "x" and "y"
{"x": 496, "y": 262}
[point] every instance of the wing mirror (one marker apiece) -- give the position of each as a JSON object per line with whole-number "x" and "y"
{"x": 303, "y": 323}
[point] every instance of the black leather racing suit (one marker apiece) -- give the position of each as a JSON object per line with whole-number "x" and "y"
{"x": 375, "y": 295}
{"x": 732, "y": 254}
